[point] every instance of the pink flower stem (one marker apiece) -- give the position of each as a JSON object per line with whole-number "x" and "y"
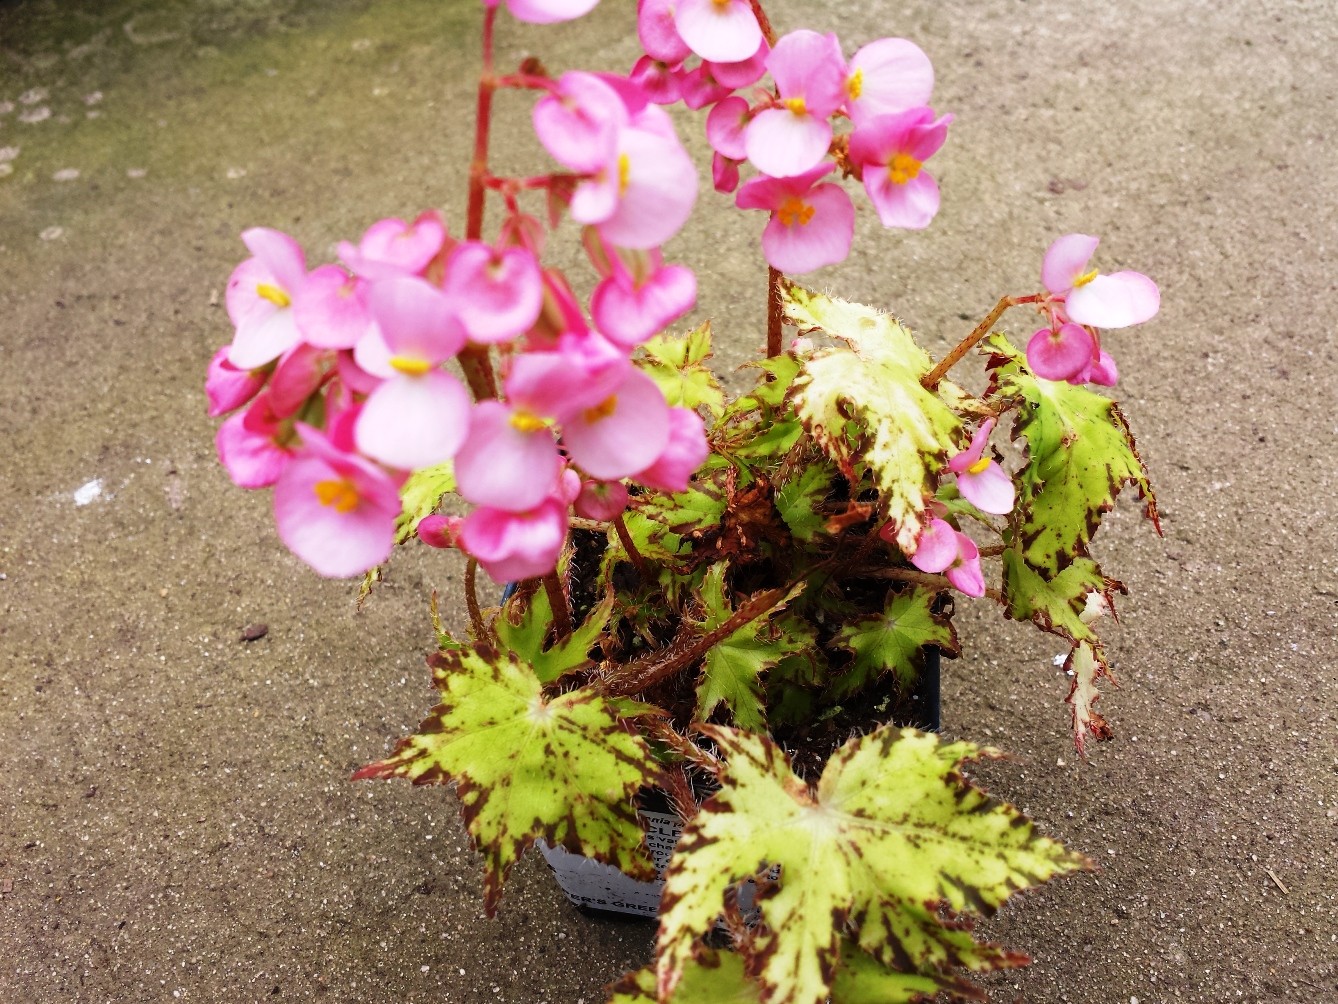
{"x": 931, "y": 379}
{"x": 472, "y": 598}
{"x": 557, "y": 599}
{"x": 525, "y": 81}
{"x": 764, "y": 22}
{"x": 503, "y": 184}
{"x": 775, "y": 311}
{"x": 638, "y": 559}
{"x": 474, "y": 359}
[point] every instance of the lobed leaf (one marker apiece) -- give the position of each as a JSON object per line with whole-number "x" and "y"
{"x": 524, "y": 627}
{"x": 1087, "y": 663}
{"x": 1054, "y": 602}
{"x": 864, "y": 404}
{"x": 527, "y": 767}
{"x": 712, "y": 978}
{"x": 892, "y": 641}
{"x": 677, "y": 365}
{"x": 891, "y": 833}
{"x": 800, "y": 500}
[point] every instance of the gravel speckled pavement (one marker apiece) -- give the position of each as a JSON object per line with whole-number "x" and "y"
{"x": 176, "y": 821}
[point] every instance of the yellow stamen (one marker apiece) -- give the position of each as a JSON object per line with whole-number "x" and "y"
{"x": 602, "y": 410}
{"x": 524, "y": 421}
{"x": 341, "y": 494}
{"x": 1084, "y": 279}
{"x": 794, "y": 210}
{"x": 978, "y": 466}
{"x": 796, "y": 105}
{"x": 855, "y": 85}
{"x": 903, "y": 168}
{"x": 624, "y": 172}
{"x": 272, "y": 293}
{"x": 409, "y": 366}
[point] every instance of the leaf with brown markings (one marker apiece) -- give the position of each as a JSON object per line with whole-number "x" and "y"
{"x": 527, "y": 766}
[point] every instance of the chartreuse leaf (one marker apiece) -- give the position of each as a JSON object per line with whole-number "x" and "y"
{"x": 527, "y": 767}
{"x": 800, "y": 500}
{"x": 419, "y": 496}
{"x": 891, "y": 641}
{"x": 891, "y": 833}
{"x": 1053, "y": 601}
{"x": 678, "y": 366}
{"x": 1080, "y": 454}
{"x": 712, "y": 978}
{"x": 732, "y": 668}
{"x": 902, "y": 432}
{"x": 863, "y": 980}
{"x": 524, "y": 626}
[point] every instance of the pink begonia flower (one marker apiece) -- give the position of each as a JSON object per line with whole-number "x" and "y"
{"x": 253, "y": 446}
{"x": 644, "y": 193}
{"x": 1103, "y": 372}
{"x": 940, "y": 548}
{"x": 335, "y": 510}
{"x": 510, "y": 458}
{"x": 686, "y": 451}
{"x": 640, "y": 296}
{"x": 392, "y": 247}
{"x": 621, "y": 434}
{"x": 741, "y": 73}
{"x": 657, "y": 32}
{"x": 569, "y": 486}
{"x": 260, "y": 296}
{"x": 887, "y": 76}
{"x": 298, "y": 375}
{"x": 547, "y": 11}
{"x": 436, "y": 530}
{"x": 661, "y": 82}
{"x": 561, "y": 313}
{"x": 810, "y": 75}
{"x": 601, "y": 500}
{"x": 725, "y": 126}
{"x": 497, "y": 293}
{"x": 1101, "y": 301}
{"x": 578, "y": 122}
{"x": 227, "y": 387}
{"x": 419, "y": 416}
{"x": 1061, "y": 353}
{"x": 352, "y": 376}
{"x": 331, "y": 308}
{"x": 511, "y": 546}
{"x": 891, "y": 150}
{"x": 724, "y": 173}
{"x": 699, "y": 88}
{"x": 724, "y": 31}
{"x": 981, "y": 480}
{"x": 811, "y": 225}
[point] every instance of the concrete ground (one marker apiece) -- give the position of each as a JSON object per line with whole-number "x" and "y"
{"x": 176, "y": 820}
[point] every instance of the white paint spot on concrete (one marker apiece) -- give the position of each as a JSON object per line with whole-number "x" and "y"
{"x": 8, "y": 153}
{"x": 6, "y": 169}
{"x": 6, "y": 107}
{"x": 136, "y": 172}
{"x": 33, "y": 96}
{"x": 94, "y": 98}
{"x": 236, "y": 172}
{"x": 93, "y": 113}
{"x": 90, "y": 492}
{"x": 34, "y": 115}
{"x": 52, "y": 233}
{"x": 66, "y": 174}
{"x": 361, "y": 44}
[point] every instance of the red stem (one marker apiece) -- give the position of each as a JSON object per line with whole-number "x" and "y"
{"x": 474, "y": 359}
{"x": 931, "y": 379}
{"x": 775, "y": 311}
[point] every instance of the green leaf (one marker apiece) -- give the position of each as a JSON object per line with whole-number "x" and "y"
{"x": 524, "y": 627}
{"x": 677, "y": 365}
{"x": 712, "y": 978}
{"x": 892, "y": 640}
{"x": 800, "y": 500}
{"x": 420, "y": 495}
{"x": 1055, "y": 602}
{"x": 863, "y": 980}
{"x": 890, "y": 833}
{"x": 732, "y": 668}
{"x": 527, "y": 767}
{"x": 903, "y": 433}
{"x": 1080, "y": 455}
{"x": 773, "y": 384}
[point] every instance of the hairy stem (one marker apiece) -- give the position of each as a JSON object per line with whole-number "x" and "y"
{"x": 920, "y": 579}
{"x": 775, "y": 311}
{"x": 474, "y": 359}
{"x": 764, "y": 22}
{"x": 931, "y": 379}
{"x": 638, "y": 559}
{"x": 557, "y": 599}
{"x": 472, "y": 598}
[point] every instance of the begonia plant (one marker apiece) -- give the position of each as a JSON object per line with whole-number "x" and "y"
{"x": 722, "y": 600}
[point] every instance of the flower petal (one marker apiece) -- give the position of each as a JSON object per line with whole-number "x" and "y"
{"x": 723, "y": 31}
{"x": 783, "y": 143}
{"x": 990, "y": 490}
{"x": 936, "y": 547}
{"x": 502, "y": 466}
{"x": 411, "y": 422}
{"x": 1066, "y": 260}
{"x": 824, "y": 239}
{"x": 1059, "y": 355}
{"x": 1114, "y": 301}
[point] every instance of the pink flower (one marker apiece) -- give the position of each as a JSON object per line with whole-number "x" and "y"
{"x": 810, "y": 75}
{"x": 548, "y": 11}
{"x": 601, "y": 500}
{"x": 253, "y": 446}
{"x": 436, "y": 530}
{"x": 940, "y": 548}
{"x": 891, "y": 151}
{"x": 497, "y": 293}
{"x": 887, "y": 76}
{"x": 658, "y": 33}
{"x": 621, "y": 434}
{"x": 419, "y": 416}
{"x": 725, "y": 127}
{"x": 227, "y": 387}
{"x": 511, "y": 546}
{"x": 335, "y": 510}
{"x": 260, "y": 297}
{"x": 811, "y": 225}
{"x": 724, "y": 31}
{"x": 724, "y": 173}
{"x": 298, "y": 375}
{"x": 743, "y": 72}
{"x": 510, "y": 458}
{"x": 392, "y": 247}
{"x": 331, "y": 308}
{"x": 1101, "y": 301}
{"x": 640, "y": 296}
{"x": 981, "y": 481}
{"x": 686, "y": 451}
{"x": 1062, "y": 352}
{"x": 578, "y": 122}
{"x": 661, "y": 82}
